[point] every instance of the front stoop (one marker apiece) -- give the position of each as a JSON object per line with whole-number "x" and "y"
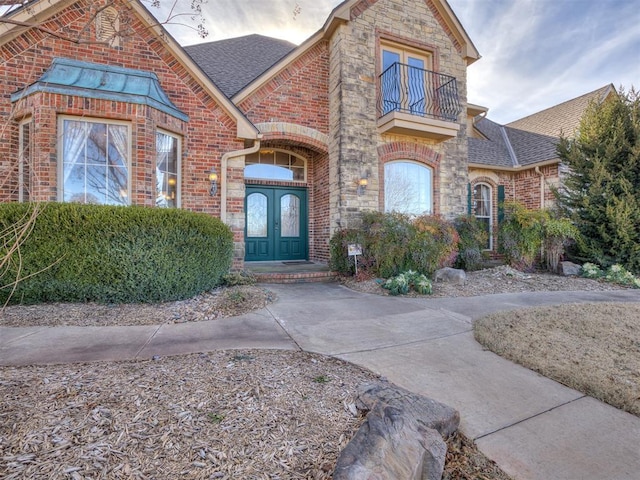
{"x": 290, "y": 272}
{"x": 304, "y": 277}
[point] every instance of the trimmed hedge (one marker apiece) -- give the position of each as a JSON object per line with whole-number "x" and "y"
{"x": 113, "y": 254}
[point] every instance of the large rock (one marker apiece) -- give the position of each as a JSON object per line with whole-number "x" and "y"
{"x": 451, "y": 275}
{"x": 402, "y": 437}
{"x": 570, "y": 269}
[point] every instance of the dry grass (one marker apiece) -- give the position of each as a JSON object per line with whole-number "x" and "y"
{"x": 592, "y": 348}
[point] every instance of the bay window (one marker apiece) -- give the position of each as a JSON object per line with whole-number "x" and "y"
{"x": 95, "y": 161}
{"x": 167, "y": 170}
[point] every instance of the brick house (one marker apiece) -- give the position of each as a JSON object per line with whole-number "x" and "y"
{"x": 518, "y": 161}
{"x": 285, "y": 144}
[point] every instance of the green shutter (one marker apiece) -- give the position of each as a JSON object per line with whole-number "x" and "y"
{"x": 500, "y": 203}
{"x": 469, "y": 198}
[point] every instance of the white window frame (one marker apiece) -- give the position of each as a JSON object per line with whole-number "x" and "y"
{"x": 490, "y": 216}
{"x": 431, "y": 185}
{"x": 105, "y": 121}
{"x": 22, "y": 181}
{"x": 178, "y": 138}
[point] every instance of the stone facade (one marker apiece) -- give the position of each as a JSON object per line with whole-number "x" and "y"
{"x": 355, "y": 141}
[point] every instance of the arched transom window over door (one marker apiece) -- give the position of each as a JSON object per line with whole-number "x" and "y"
{"x": 408, "y": 188}
{"x": 482, "y": 209}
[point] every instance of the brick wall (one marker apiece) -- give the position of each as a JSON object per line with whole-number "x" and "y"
{"x": 209, "y": 133}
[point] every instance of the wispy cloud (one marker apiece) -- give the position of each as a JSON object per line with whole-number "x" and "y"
{"x": 535, "y": 53}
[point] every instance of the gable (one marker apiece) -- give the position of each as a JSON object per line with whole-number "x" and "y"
{"x": 234, "y": 63}
{"x": 351, "y": 10}
{"x": 148, "y": 36}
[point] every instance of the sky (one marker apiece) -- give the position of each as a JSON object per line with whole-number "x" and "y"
{"x": 535, "y": 53}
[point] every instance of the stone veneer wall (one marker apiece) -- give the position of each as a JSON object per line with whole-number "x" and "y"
{"x": 354, "y": 138}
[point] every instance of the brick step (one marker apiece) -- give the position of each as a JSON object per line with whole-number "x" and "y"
{"x": 300, "y": 277}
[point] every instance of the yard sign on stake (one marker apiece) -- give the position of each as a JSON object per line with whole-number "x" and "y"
{"x": 354, "y": 249}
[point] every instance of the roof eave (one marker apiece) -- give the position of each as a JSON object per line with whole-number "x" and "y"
{"x": 519, "y": 168}
{"x": 339, "y": 16}
{"x": 244, "y": 128}
{"x": 38, "y": 11}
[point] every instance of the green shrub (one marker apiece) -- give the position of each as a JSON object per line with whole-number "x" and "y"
{"x": 521, "y": 235}
{"x": 434, "y": 245}
{"x": 472, "y": 240}
{"x": 393, "y": 243}
{"x": 339, "y": 260}
{"x": 107, "y": 254}
{"x": 402, "y": 283}
{"x": 615, "y": 274}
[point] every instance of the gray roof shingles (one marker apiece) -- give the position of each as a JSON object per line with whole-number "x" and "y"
{"x": 532, "y": 139}
{"x": 234, "y": 63}
{"x": 528, "y": 148}
{"x": 564, "y": 118}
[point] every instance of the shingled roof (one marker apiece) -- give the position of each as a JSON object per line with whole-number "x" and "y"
{"x": 509, "y": 147}
{"x": 562, "y": 119}
{"x": 235, "y": 62}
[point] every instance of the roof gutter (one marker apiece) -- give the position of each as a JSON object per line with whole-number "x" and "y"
{"x": 518, "y": 168}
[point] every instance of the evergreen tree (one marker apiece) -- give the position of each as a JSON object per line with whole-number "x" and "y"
{"x": 601, "y": 193}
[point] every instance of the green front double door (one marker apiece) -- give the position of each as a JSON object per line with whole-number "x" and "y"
{"x": 276, "y": 224}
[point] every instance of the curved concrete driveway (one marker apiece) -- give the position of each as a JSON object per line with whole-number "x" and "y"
{"x": 533, "y": 427}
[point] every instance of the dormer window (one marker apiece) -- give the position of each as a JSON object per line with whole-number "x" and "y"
{"x": 108, "y": 27}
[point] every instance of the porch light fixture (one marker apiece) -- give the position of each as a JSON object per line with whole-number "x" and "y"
{"x": 213, "y": 179}
{"x": 363, "y": 181}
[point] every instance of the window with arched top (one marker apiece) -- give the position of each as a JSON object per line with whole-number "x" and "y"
{"x": 275, "y": 165}
{"x": 483, "y": 209}
{"x": 408, "y": 188}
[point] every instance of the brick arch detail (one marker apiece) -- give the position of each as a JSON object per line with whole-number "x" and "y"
{"x": 395, "y": 151}
{"x": 298, "y": 134}
{"x": 409, "y": 151}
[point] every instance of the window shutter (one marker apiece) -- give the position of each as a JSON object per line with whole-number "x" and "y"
{"x": 469, "y": 198}
{"x": 500, "y": 203}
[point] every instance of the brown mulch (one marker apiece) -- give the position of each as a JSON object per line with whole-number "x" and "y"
{"x": 218, "y": 303}
{"x": 502, "y": 279}
{"x": 227, "y": 415}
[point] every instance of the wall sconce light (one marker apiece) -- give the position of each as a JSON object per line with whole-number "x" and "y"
{"x": 213, "y": 178}
{"x": 363, "y": 181}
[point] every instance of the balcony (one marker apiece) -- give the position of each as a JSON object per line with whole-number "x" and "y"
{"x": 417, "y": 102}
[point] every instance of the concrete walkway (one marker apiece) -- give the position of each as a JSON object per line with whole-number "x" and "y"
{"x": 533, "y": 427}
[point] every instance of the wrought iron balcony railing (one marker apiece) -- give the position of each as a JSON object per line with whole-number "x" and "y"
{"x": 407, "y": 89}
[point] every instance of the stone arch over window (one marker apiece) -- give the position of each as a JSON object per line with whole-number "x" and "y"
{"x": 410, "y": 154}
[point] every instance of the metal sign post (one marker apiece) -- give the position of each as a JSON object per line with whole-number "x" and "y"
{"x": 353, "y": 250}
